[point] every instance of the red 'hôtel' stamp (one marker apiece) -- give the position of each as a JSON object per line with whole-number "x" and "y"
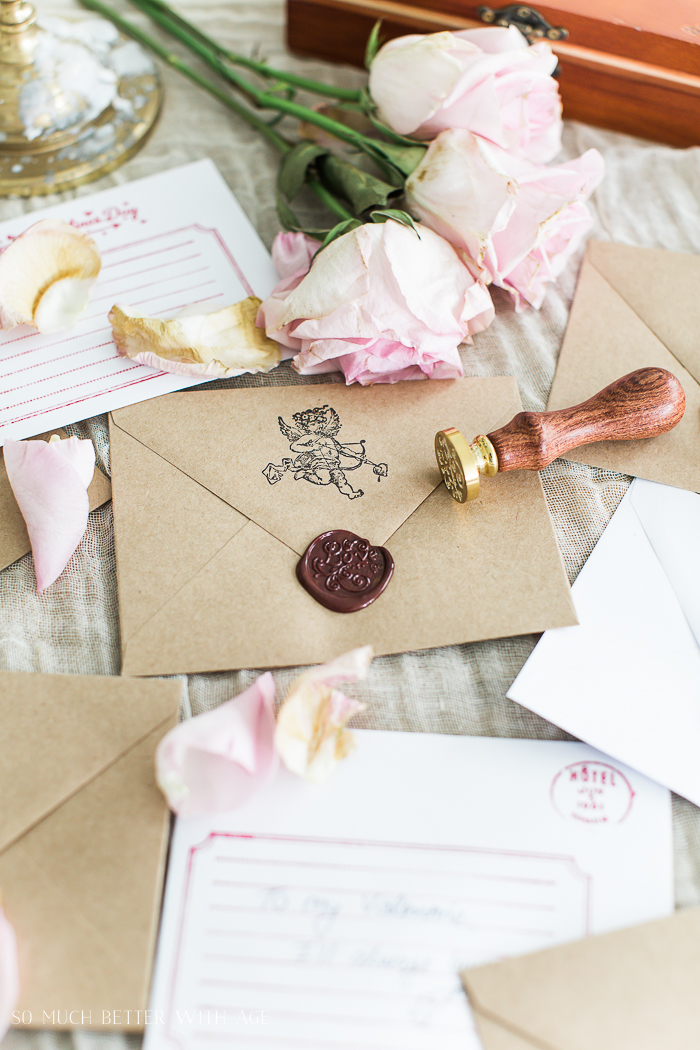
{"x": 592, "y": 792}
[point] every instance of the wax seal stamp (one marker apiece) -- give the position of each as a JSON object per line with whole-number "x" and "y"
{"x": 642, "y": 404}
{"x": 343, "y": 572}
{"x": 593, "y": 792}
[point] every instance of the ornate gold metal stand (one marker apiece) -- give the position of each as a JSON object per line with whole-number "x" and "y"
{"x": 51, "y": 137}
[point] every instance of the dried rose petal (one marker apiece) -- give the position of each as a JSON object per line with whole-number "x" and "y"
{"x": 224, "y": 343}
{"x": 311, "y": 736}
{"x": 46, "y": 275}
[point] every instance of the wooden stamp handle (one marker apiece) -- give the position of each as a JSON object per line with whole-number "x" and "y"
{"x": 642, "y": 404}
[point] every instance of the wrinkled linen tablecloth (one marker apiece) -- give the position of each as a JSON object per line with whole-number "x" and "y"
{"x": 650, "y": 197}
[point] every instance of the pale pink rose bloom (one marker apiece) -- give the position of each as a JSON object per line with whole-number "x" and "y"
{"x": 9, "y": 972}
{"x": 380, "y": 304}
{"x": 528, "y": 279}
{"x": 547, "y": 226}
{"x": 311, "y": 735}
{"x": 215, "y": 761}
{"x": 487, "y": 81}
{"x": 514, "y": 222}
{"x": 460, "y": 191}
{"x": 50, "y": 481}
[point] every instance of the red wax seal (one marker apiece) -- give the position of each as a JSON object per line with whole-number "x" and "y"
{"x": 344, "y": 572}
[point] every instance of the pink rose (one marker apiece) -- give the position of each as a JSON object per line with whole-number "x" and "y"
{"x": 515, "y": 223}
{"x": 381, "y": 304}
{"x": 487, "y": 81}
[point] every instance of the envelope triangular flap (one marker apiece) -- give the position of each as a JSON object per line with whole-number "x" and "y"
{"x": 662, "y": 289}
{"x": 496, "y": 1037}
{"x": 300, "y": 460}
{"x": 52, "y": 935}
{"x": 606, "y": 339}
{"x": 463, "y": 573}
{"x": 96, "y": 867}
{"x": 166, "y": 526}
{"x": 634, "y": 989}
{"x": 60, "y": 731}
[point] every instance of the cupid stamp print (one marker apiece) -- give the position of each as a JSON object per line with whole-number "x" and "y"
{"x": 319, "y": 457}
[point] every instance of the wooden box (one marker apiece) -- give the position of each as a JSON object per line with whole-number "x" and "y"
{"x": 628, "y": 65}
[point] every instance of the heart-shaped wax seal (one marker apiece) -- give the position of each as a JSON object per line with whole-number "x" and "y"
{"x": 343, "y": 572}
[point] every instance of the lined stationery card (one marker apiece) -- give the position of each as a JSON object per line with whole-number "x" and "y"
{"x": 167, "y": 241}
{"x": 338, "y": 917}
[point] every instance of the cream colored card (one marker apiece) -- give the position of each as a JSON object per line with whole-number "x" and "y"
{"x": 218, "y": 493}
{"x": 635, "y": 307}
{"x": 635, "y": 989}
{"x": 174, "y": 239}
{"x": 83, "y": 834}
{"x": 340, "y": 917}
{"x": 14, "y": 541}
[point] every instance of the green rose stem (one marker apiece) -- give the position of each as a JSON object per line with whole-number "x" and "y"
{"x": 256, "y": 122}
{"x": 169, "y": 18}
{"x": 402, "y": 160}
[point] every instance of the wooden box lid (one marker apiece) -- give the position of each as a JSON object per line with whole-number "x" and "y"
{"x": 628, "y": 65}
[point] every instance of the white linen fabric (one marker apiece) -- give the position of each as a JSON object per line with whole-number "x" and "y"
{"x": 650, "y": 198}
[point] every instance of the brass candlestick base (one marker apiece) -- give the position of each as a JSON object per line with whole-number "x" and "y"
{"x": 76, "y": 100}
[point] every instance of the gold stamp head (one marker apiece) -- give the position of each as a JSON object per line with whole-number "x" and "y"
{"x": 458, "y": 465}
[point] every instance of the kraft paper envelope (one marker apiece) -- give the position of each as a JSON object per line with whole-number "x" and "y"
{"x": 14, "y": 541}
{"x": 83, "y": 834}
{"x": 218, "y": 493}
{"x": 634, "y": 989}
{"x": 635, "y": 307}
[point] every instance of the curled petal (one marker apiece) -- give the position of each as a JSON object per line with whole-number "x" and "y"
{"x": 46, "y": 275}
{"x": 311, "y": 736}
{"x": 9, "y": 972}
{"x": 215, "y": 761}
{"x": 224, "y": 343}
{"x": 50, "y": 481}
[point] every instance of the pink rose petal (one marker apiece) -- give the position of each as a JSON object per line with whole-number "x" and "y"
{"x": 50, "y": 480}
{"x": 215, "y": 761}
{"x": 9, "y": 973}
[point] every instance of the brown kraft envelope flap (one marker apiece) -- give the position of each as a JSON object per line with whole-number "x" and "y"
{"x": 14, "y": 541}
{"x": 634, "y": 989}
{"x": 83, "y": 835}
{"x": 218, "y": 493}
{"x": 635, "y": 307}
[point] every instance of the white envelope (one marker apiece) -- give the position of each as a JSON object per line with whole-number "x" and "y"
{"x": 627, "y": 679}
